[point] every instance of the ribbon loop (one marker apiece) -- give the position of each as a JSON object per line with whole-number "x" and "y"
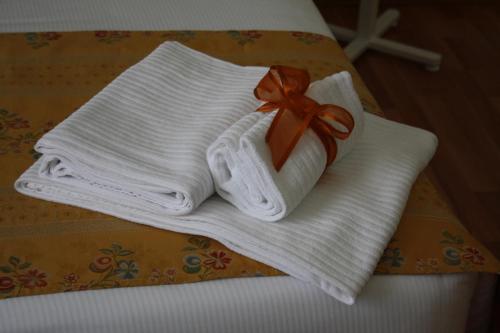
{"x": 283, "y": 88}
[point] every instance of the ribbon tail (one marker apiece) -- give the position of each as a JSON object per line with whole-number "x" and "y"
{"x": 283, "y": 135}
{"x": 322, "y": 131}
{"x": 267, "y": 107}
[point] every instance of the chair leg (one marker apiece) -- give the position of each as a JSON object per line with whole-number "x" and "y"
{"x": 368, "y": 36}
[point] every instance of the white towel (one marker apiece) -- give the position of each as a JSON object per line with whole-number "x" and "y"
{"x": 241, "y": 163}
{"x": 146, "y": 134}
{"x": 333, "y": 240}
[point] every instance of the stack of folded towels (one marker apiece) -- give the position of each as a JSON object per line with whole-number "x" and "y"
{"x": 154, "y": 145}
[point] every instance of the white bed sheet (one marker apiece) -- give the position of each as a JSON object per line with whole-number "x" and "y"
{"x": 408, "y": 304}
{"x": 436, "y": 303}
{"x": 64, "y": 15}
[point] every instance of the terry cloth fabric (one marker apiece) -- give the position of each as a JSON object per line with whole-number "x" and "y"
{"x": 145, "y": 135}
{"x": 241, "y": 163}
{"x": 333, "y": 240}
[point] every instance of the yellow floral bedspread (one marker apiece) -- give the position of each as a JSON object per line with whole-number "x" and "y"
{"x": 47, "y": 247}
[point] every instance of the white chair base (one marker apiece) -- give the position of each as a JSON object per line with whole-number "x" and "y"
{"x": 369, "y": 32}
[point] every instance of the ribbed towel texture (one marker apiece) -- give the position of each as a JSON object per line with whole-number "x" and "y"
{"x": 137, "y": 150}
{"x": 241, "y": 164}
{"x": 146, "y": 134}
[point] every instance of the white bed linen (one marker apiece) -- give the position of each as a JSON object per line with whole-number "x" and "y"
{"x": 64, "y": 15}
{"x": 396, "y": 304}
{"x": 407, "y": 295}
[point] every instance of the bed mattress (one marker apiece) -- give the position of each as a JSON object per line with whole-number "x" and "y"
{"x": 271, "y": 304}
{"x": 431, "y": 303}
{"x": 60, "y": 15}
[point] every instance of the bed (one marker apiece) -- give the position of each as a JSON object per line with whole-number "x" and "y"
{"x": 424, "y": 303}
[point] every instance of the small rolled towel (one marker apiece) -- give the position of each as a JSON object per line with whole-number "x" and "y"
{"x": 241, "y": 164}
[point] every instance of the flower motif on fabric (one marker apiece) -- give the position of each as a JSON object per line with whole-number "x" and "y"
{"x": 167, "y": 276}
{"x": 111, "y": 266}
{"x": 245, "y": 37}
{"x": 451, "y": 239}
{"x": 213, "y": 260}
{"x": 456, "y": 253}
{"x": 217, "y": 260}
{"x": 33, "y": 278}
{"x": 6, "y": 284}
{"x": 473, "y": 255}
{"x": 110, "y": 37}
{"x": 192, "y": 263}
{"x": 392, "y": 256}
{"x": 181, "y": 36}
{"x": 127, "y": 269}
{"x": 101, "y": 264}
{"x": 197, "y": 243}
{"x": 429, "y": 265}
{"x": 40, "y": 39}
{"x": 16, "y": 133}
{"x": 307, "y": 37}
{"x": 17, "y": 276}
{"x": 451, "y": 256}
{"x": 71, "y": 278}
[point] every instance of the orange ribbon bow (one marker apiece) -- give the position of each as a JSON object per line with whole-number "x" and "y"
{"x": 283, "y": 88}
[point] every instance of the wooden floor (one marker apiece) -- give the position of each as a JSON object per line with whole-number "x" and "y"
{"x": 460, "y": 103}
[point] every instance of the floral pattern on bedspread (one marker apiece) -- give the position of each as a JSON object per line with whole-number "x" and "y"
{"x": 244, "y": 37}
{"x": 307, "y": 37}
{"x": 180, "y": 36}
{"x": 109, "y": 37}
{"x": 41, "y": 39}
{"x": 18, "y": 275}
{"x": 16, "y": 134}
{"x": 47, "y": 247}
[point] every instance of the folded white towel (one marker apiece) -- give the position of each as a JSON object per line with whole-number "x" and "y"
{"x": 146, "y": 134}
{"x": 241, "y": 164}
{"x": 333, "y": 240}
